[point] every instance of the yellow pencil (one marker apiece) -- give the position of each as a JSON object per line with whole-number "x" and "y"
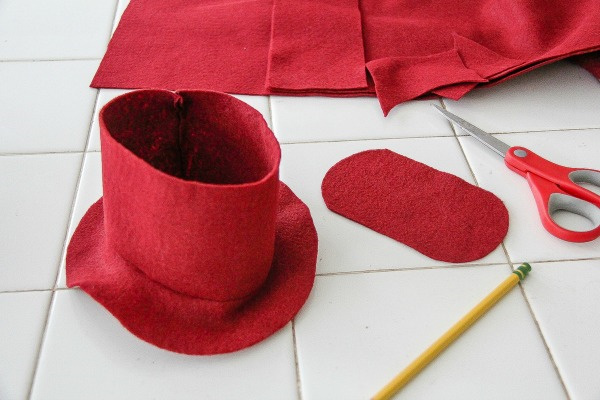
{"x": 452, "y": 334}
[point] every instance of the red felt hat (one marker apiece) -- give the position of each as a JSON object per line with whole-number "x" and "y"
{"x": 196, "y": 246}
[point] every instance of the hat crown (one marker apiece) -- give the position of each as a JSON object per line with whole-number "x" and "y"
{"x": 190, "y": 185}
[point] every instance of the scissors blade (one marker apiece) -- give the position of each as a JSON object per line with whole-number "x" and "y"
{"x": 484, "y": 137}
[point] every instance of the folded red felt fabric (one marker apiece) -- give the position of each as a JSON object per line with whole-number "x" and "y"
{"x": 322, "y": 47}
{"x": 398, "y": 79}
{"x": 196, "y": 246}
{"x": 435, "y": 213}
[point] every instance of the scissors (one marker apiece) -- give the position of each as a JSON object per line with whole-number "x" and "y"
{"x": 555, "y": 188}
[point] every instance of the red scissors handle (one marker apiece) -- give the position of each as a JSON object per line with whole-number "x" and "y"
{"x": 557, "y": 188}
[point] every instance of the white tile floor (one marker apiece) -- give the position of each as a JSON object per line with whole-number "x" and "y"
{"x": 374, "y": 306}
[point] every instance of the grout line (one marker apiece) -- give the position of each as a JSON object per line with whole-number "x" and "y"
{"x": 63, "y": 252}
{"x": 296, "y": 363}
{"x": 462, "y": 150}
{"x": 434, "y": 136}
{"x": 34, "y": 290}
{"x": 506, "y": 255}
{"x": 25, "y": 291}
{"x": 39, "y": 345}
{"x": 563, "y": 260}
{"x": 40, "y": 153}
{"x": 17, "y": 60}
{"x": 430, "y": 267}
{"x": 545, "y": 343}
{"x": 270, "y": 108}
{"x": 114, "y": 20}
{"x": 537, "y": 325}
{"x": 455, "y": 133}
{"x": 367, "y": 139}
{"x": 508, "y": 259}
{"x": 384, "y": 270}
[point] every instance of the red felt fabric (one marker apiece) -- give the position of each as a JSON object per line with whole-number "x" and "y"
{"x": 195, "y": 246}
{"x": 180, "y": 44}
{"x": 435, "y": 213}
{"x": 322, "y": 47}
{"x": 335, "y": 35}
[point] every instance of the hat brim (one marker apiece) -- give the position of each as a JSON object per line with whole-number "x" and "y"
{"x": 185, "y": 324}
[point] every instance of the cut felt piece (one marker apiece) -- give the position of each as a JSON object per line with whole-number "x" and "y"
{"x": 195, "y": 246}
{"x": 396, "y": 50}
{"x": 434, "y": 212}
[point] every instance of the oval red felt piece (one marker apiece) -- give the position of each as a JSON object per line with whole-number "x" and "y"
{"x": 434, "y": 212}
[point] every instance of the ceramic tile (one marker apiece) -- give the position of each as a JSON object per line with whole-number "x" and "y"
{"x": 564, "y": 297}
{"x": 35, "y": 202}
{"x": 89, "y": 191}
{"x": 313, "y": 119}
{"x": 527, "y": 240}
{"x": 45, "y": 106}
{"x": 557, "y": 96}
{"x": 23, "y": 313}
{"x": 87, "y": 351}
{"x": 54, "y": 29}
{"x": 260, "y": 103}
{"x": 303, "y": 168}
{"x": 359, "y": 330}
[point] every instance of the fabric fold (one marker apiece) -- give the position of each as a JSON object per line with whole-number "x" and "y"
{"x": 399, "y": 79}
{"x": 483, "y": 60}
{"x": 316, "y": 45}
{"x": 456, "y": 91}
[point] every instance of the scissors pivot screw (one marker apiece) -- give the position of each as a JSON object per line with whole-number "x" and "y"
{"x": 520, "y": 153}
